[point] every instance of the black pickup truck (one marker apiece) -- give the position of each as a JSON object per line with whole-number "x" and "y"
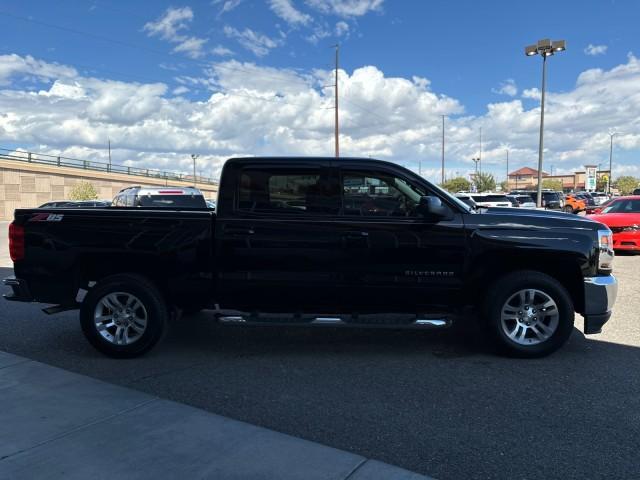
{"x": 318, "y": 241}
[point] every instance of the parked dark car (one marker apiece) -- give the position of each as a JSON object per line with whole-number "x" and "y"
{"x": 636, "y": 191}
{"x": 551, "y": 200}
{"x": 588, "y": 199}
{"x": 304, "y": 235}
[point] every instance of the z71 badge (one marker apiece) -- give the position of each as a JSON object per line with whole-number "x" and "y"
{"x": 47, "y": 217}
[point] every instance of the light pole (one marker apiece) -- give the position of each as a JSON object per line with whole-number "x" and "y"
{"x": 546, "y": 48}
{"x": 507, "y": 169}
{"x": 442, "y": 175}
{"x": 194, "y": 157}
{"x": 475, "y": 178}
{"x": 611, "y": 135}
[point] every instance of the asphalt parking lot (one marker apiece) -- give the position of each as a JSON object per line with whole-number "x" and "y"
{"x": 435, "y": 403}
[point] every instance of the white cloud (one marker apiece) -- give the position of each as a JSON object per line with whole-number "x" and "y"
{"x": 192, "y": 46}
{"x": 253, "y": 110}
{"x": 169, "y": 27}
{"x": 180, "y": 90}
{"x": 342, "y": 28}
{"x": 290, "y": 14}
{"x": 227, "y": 5}
{"x": 346, "y": 8}
{"x": 594, "y": 50}
{"x": 508, "y": 87}
{"x": 221, "y": 51}
{"x": 13, "y": 65}
{"x": 257, "y": 43}
{"x": 532, "y": 93}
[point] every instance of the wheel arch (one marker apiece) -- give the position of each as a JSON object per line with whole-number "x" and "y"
{"x": 487, "y": 269}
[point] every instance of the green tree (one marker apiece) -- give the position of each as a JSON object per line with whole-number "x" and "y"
{"x": 601, "y": 183}
{"x": 457, "y": 184}
{"x": 626, "y": 184}
{"x": 504, "y": 186}
{"x": 83, "y": 191}
{"x": 485, "y": 182}
{"x": 552, "y": 184}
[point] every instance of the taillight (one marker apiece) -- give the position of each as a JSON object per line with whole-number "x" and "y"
{"x": 16, "y": 242}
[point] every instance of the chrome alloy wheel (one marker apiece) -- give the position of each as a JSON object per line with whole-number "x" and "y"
{"x": 529, "y": 317}
{"x": 120, "y": 318}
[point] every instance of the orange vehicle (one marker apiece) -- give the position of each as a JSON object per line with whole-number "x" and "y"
{"x": 573, "y": 204}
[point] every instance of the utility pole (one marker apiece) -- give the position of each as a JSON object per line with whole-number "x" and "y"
{"x": 336, "y": 127}
{"x": 475, "y": 178}
{"x": 507, "y": 169}
{"x": 480, "y": 156}
{"x": 194, "y": 157}
{"x": 442, "y": 181}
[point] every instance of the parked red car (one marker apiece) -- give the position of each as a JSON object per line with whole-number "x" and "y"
{"x": 622, "y": 216}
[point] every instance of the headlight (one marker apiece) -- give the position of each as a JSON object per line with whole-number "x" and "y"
{"x": 605, "y": 248}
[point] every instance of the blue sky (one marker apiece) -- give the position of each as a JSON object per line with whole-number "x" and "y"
{"x": 467, "y": 51}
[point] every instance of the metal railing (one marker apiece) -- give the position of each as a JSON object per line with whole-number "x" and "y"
{"x": 59, "y": 161}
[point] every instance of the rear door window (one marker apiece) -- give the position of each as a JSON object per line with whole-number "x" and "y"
{"x": 301, "y": 191}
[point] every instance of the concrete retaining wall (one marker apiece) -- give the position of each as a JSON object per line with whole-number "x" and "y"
{"x": 25, "y": 185}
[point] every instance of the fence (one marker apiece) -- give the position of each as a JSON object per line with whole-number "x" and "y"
{"x": 40, "y": 158}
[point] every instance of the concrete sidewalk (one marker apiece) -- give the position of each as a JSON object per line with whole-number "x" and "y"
{"x": 56, "y": 424}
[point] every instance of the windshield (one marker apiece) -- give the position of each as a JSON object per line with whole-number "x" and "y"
{"x": 623, "y": 206}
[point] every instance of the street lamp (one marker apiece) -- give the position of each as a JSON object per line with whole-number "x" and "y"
{"x": 545, "y": 48}
{"x": 611, "y": 135}
{"x": 194, "y": 157}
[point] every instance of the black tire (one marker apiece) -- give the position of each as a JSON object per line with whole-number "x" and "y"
{"x": 568, "y": 209}
{"x": 504, "y": 289}
{"x": 152, "y": 301}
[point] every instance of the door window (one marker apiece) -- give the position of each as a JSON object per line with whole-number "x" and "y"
{"x": 289, "y": 191}
{"x": 379, "y": 195}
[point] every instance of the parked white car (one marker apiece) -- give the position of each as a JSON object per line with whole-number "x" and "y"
{"x": 522, "y": 201}
{"x": 599, "y": 197}
{"x": 491, "y": 200}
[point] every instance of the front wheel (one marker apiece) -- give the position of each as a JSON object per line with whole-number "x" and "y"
{"x": 568, "y": 209}
{"x": 529, "y": 314}
{"x": 123, "y": 316}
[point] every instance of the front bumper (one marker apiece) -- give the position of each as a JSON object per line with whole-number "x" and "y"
{"x": 599, "y": 296}
{"x": 20, "y": 290}
{"x": 626, "y": 241}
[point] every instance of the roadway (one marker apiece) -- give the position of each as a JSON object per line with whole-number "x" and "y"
{"x": 432, "y": 402}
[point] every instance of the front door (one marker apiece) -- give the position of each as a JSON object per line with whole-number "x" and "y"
{"x": 398, "y": 260}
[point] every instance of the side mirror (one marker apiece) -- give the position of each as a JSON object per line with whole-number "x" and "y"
{"x": 433, "y": 207}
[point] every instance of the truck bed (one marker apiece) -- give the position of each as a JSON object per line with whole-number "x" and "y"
{"x": 172, "y": 246}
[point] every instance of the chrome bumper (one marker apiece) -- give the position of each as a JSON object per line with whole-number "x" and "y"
{"x": 599, "y": 296}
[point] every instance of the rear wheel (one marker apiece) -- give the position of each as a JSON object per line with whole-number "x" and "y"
{"x": 123, "y": 316}
{"x": 568, "y": 209}
{"x": 529, "y": 314}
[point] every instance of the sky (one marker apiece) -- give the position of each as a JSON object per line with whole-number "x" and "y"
{"x": 221, "y": 78}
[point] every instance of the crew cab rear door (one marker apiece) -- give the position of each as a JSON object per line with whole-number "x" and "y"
{"x": 277, "y": 246}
